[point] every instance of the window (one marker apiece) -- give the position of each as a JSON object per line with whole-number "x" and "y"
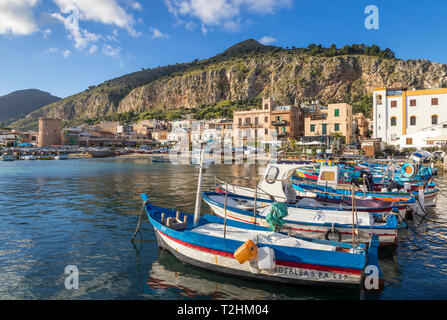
{"x": 409, "y": 141}
{"x": 434, "y": 119}
{"x": 266, "y": 107}
{"x": 271, "y": 175}
{"x": 393, "y": 104}
{"x": 393, "y": 121}
{"x": 337, "y": 112}
{"x": 413, "y": 103}
{"x": 247, "y": 120}
{"x": 412, "y": 121}
{"x": 324, "y": 128}
{"x": 240, "y": 121}
{"x": 266, "y": 131}
{"x": 312, "y": 128}
{"x": 266, "y": 120}
{"x": 337, "y": 127}
{"x": 328, "y": 176}
{"x": 256, "y": 120}
{"x": 434, "y": 101}
{"x": 379, "y": 99}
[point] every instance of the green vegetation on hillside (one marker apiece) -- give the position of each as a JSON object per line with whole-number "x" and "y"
{"x": 222, "y": 110}
{"x": 103, "y": 100}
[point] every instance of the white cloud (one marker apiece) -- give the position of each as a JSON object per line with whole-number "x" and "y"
{"x": 46, "y": 33}
{"x": 136, "y": 5}
{"x": 52, "y": 50}
{"x": 103, "y": 11}
{"x": 225, "y": 13}
{"x": 111, "y": 51}
{"x": 17, "y": 18}
{"x": 267, "y": 40}
{"x": 157, "y": 34}
{"x": 66, "y": 54}
{"x": 93, "y": 49}
{"x": 109, "y": 12}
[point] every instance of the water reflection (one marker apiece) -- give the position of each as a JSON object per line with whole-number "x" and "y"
{"x": 84, "y": 212}
{"x": 171, "y": 279}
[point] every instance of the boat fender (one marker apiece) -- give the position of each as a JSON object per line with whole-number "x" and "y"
{"x": 336, "y": 235}
{"x": 266, "y": 258}
{"x": 247, "y": 252}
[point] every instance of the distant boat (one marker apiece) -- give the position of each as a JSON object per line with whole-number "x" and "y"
{"x": 29, "y": 157}
{"x": 62, "y": 156}
{"x": 101, "y": 153}
{"x": 46, "y": 157}
{"x": 160, "y": 159}
{"x": 8, "y": 157}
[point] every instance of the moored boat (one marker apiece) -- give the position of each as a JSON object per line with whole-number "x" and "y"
{"x": 213, "y": 243}
{"x": 312, "y": 221}
{"x": 8, "y": 157}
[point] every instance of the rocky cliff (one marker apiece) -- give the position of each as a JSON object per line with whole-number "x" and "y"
{"x": 246, "y": 72}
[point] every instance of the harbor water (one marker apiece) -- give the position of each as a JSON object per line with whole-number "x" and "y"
{"x": 84, "y": 212}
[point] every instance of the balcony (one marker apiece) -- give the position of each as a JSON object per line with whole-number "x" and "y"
{"x": 279, "y": 123}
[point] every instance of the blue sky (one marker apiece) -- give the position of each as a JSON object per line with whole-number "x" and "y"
{"x": 64, "y": 46}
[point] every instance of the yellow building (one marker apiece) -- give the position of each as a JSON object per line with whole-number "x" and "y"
{"x": 323, "y": 124}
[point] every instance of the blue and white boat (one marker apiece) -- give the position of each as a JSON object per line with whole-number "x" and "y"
{"x": 309, "y": 219}
{"x": 8, "y": 157}
{"x": 253, "y": 252}
{"x": 212, "y": 242}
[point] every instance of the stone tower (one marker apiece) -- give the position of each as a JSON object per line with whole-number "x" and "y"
{"x": 268, "y": 104}
{"x": 50, "y": 132}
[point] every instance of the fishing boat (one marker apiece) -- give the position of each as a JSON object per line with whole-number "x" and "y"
{"x": 160, "y": 158}
{"x": 310, "y": 221}
{"x": 62, "y": 156}
{"x": 29, "y": 157}
{"x": 276, "y": 185}
{"x": 212, "y": 243}
{"x": 45, "y": 157}
{"x": 8, "y": 157}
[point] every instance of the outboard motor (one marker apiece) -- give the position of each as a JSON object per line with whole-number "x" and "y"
{"x": 367, "y": 180}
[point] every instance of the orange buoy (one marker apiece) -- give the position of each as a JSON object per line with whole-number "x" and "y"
{"x": 247, "y": 252}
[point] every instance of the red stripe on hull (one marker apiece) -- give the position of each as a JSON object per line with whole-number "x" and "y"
{"x": 278, "y": 262}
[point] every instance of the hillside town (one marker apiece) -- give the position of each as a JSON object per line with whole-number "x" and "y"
{"x": 400, "y": 121}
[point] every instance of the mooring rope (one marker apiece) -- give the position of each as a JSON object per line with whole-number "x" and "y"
{"x": 139, "y": 222}
{"x": 428, "y": 240}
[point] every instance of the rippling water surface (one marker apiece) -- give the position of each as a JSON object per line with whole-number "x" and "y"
{"x": 84, "y": 212}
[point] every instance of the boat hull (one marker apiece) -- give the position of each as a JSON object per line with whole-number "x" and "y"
{"x": 284, "y": 273}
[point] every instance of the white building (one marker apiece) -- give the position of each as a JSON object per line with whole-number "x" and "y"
{"x": 408, "y": 118}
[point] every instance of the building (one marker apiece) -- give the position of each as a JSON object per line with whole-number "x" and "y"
{"x": 409, "y": 118}
{"x": 360, "y": 127}
{"x": 271, "y": 124}
{"x": 371, "y": 147}
{"x": 108, "y": 126}
{"x": 50, "y": 132}
{"x": 224, "y": 132}
{"x": 323, "y": 124}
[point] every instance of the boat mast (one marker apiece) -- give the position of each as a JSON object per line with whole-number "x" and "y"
{"x": 199, "y": 186}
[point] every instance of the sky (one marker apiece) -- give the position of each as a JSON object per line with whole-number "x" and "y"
{"x": 65, "y": 46}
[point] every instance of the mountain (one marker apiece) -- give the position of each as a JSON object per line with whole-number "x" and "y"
{"x": 18, "y": 104}
{"x": 248, "y": 71}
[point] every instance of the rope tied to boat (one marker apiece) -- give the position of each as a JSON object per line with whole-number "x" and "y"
{"x": 139, "y": 220}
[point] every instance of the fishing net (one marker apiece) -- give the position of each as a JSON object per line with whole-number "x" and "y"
{"x": 275, "y": 217}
